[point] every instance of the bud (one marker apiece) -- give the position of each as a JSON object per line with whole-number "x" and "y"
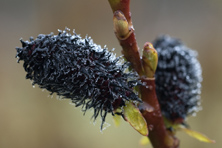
{"x": 178, "y": 79}
{"x": 150, "y": 60}
{"x": 121, "y": 26}
{"x": 78, "y": 69}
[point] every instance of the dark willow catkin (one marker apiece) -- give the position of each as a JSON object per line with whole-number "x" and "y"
{"x": 79, "y": 70}
{"x": 178, "y": 78}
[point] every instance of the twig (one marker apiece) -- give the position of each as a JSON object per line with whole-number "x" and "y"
{"x": 159, "y": 136}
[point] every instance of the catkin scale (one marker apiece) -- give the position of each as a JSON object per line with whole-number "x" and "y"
{"x": 178, "y": 79}
{"x": 79, "y": 70}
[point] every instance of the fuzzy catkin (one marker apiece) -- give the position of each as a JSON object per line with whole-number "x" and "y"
{"x": 78, "y": 69}
{"x": 178, "y": 78}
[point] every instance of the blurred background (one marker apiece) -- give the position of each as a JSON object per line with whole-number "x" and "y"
{"x": 30, "y": 119}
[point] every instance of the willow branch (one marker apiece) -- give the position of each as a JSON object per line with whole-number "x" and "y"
{"x": 159, "y": 136}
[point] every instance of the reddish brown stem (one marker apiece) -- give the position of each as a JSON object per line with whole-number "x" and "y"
{"x": 131, "y": 52}
{"x": 158, "y": 134}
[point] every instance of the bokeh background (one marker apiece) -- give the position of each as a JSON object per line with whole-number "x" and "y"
{"x": 30, "y": 119}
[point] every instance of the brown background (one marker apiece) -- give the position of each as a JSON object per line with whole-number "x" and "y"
{"x": 30, "y": 119}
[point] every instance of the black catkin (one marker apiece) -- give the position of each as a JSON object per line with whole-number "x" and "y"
{"x": 178, "y": 79}
{"x": 79, "y": 70}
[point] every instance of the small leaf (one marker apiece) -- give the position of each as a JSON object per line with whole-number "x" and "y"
{"x": 144, "y": 141}
{"x": 117, "y": 120}
{"x": 135, "y": 118}
{"x": 197, "y": 135}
